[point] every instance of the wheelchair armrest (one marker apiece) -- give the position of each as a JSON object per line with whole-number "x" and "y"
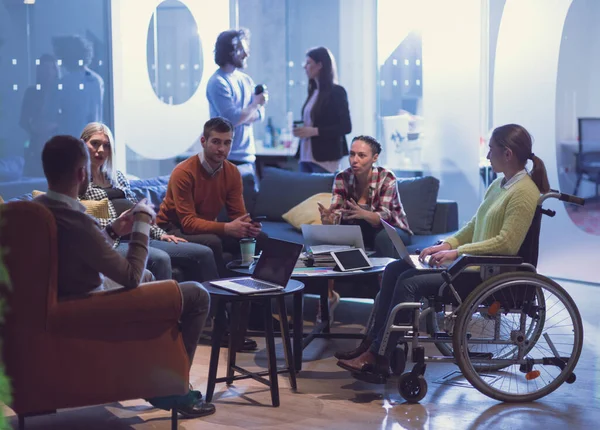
{"x": 467, "y": 260}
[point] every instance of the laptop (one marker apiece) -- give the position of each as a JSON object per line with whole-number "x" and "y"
{"x": 320, "y": 237}
{"x": 272, "y": 272}
{"x": 412, "y": 260}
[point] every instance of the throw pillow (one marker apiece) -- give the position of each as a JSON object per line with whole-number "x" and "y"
{"x": 1, "y": 200}
{"x": 307, "y": 212}
{"x": 419, "y": 197}
{"x": 95, "y": 208}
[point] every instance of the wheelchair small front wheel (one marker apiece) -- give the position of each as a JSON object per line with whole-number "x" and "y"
{"x": 398, "y": 360}
{"x": 411, "y": 387}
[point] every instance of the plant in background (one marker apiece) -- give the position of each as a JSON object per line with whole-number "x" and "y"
{"x": 5, "y": 396}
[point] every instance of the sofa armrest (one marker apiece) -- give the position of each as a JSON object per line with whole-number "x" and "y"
{"x": 445, "y": 218}
{"x": 149, "y": 304}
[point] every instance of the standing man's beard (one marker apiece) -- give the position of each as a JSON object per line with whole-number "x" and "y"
{"x": 237, "y": 63}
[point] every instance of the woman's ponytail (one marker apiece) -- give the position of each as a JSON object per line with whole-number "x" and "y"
{"x": 538, "y": 174}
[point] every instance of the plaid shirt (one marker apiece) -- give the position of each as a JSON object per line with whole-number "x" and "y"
{"x": 95, "y": 192}
{"x": 382, "y": 198}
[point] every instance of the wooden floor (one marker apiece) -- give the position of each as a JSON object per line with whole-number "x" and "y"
{"x": 328, "y": 398}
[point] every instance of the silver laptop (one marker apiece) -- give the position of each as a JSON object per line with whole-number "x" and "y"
{"x": 272, "y": 272}
{"x": 333, "y": 236}
{"x": 413, "y": 260}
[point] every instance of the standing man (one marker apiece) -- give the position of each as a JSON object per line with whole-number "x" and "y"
{"x": 198, "y": 190}
{"x": 231, "y": 93}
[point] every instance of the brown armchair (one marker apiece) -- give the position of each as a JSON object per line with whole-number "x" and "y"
{"x": 100, "y": 348}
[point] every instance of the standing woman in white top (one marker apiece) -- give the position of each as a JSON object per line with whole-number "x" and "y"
{"x": 326, "y": 116}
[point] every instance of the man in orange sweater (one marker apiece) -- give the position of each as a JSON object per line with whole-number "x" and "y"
{"x": 199, "y": 188}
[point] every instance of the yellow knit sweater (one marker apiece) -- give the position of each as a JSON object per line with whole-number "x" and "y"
{"x": 501, "y": 222}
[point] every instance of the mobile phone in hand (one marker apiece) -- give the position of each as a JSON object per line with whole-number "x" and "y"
{"x": 140, "y": 202}
{"x": 259, "y": 219}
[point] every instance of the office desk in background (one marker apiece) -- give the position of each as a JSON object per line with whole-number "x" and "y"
{"x": 278, "y": 157}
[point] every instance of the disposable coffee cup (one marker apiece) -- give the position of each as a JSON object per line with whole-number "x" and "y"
{"x": 337, "y": 217}
{"x": 298, "y": 124}
{"x": 247, "y": 248}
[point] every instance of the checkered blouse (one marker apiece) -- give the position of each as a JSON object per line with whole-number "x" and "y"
{"x": 95, "y": 192}
{"x": 383, "y": 195}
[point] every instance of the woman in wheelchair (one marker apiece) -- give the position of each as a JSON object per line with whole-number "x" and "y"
{"x": 498, "y": 228}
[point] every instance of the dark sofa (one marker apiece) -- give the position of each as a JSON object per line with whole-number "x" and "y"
{"x": 280, "y": 190}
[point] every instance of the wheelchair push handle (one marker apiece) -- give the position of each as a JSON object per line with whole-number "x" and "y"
{"x": 571, "y": 199}
{"x": 564, "y": 197}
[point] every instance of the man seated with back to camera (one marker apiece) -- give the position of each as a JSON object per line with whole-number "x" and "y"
{"x": 198, "y": 190}
{"x": 88, "y": 262}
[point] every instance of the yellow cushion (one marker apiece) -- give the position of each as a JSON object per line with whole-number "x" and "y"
{"x": 95, "y": 208}
{"x": 307, "y": 212}
{"x": 1, "y": 200}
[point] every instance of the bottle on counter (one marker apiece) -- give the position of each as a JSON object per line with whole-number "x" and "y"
{"x": 269, "y": 140}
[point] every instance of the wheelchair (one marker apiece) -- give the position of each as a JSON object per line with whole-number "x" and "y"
{"x": 516, "y": 337}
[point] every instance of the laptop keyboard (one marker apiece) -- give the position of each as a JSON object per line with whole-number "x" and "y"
{"x": 252, "y": 284}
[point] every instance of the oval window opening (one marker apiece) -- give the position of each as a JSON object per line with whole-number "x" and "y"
{"x": 174, "y": 53}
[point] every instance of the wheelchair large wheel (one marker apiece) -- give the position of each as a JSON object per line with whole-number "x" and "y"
{"x": 480, "y": 325}
{"x": 518, "y": 360}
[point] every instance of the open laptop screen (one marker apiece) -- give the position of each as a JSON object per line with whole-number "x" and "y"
{"x": 277, "y": 261}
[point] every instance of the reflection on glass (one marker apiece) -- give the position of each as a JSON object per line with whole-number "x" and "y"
{"x": 174, "y": 53}
{"x": 578, "y": 114}
{"x": 54, "y": 80}
{"x": 400, "y": 82}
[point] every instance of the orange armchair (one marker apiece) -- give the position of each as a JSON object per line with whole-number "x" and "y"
{"x": 103, "y": 347}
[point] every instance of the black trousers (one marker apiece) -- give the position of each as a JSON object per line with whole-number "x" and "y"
{"x": 218, "y": 244}
{"x": 401, "y": 283}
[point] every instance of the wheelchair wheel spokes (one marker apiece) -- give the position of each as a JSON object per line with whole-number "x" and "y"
{"x": 518, "y": 337}
{"x": 483, "y": 325}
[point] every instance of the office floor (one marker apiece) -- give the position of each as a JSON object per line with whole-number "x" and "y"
{"x": 328, "y": 398}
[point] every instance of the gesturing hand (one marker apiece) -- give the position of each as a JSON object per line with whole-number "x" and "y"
{"x": 123, "y": 225}
{"x": 354, "y": 211}
{"x": 241, "y": 227}
{"x": 327, "y": 215}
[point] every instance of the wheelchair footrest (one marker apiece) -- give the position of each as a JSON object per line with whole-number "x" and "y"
{"x": 486, "y": 355}
{"x": 371, "y": 378}
{"x": 441, "y": 335}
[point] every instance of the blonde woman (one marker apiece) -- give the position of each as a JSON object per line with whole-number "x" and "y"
{"x": 196, "y": 261}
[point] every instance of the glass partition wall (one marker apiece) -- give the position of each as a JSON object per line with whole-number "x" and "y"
{"x": 55, "y": 77}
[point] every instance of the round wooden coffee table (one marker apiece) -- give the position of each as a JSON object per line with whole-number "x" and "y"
{"x": 318, "y": 278}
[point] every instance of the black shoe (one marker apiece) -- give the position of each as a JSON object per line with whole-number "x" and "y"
{"x": 248, "y": 346}
{"x": 375, "y": 373}
{"x": 349, "y": 355}
{"x": 196, "y": 410}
